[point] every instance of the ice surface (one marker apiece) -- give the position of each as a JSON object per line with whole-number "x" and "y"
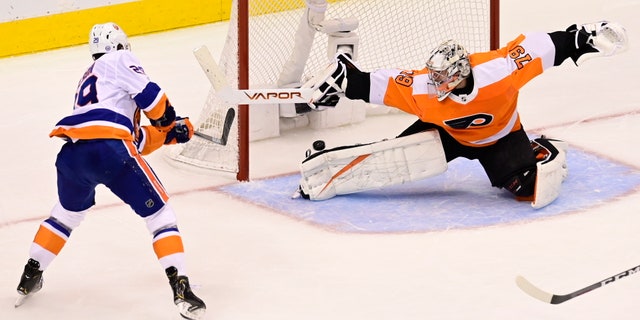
{"x": 249, "y": 260}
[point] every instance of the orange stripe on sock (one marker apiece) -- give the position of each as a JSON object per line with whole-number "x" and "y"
{"x": 49, "y": 240}
{"x": 167, "y": 246}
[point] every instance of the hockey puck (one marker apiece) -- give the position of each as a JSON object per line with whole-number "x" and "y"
{"x": 318, "y": 145}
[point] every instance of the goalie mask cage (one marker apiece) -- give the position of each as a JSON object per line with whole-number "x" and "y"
{"x": 272, "y": 40}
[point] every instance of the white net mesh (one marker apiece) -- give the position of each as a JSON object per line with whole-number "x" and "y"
{"x": 392, "y": 33}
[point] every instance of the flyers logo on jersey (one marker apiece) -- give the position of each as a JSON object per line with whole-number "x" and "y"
{"x": 474, "y": 120}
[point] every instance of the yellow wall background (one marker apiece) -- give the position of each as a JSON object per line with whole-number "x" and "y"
{"x": 140, "y": 17}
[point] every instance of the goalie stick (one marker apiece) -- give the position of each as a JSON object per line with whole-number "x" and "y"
{"x": 226, "y": 128}
{"x": 551, "y": 298}
{"x": 248, "y": 96}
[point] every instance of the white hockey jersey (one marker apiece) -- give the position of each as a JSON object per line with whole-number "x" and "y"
{"x": 109, "y": 98}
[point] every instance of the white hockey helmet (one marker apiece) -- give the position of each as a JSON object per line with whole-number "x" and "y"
{"x": 107, "y": 37}
{"x": 448, "y": 65}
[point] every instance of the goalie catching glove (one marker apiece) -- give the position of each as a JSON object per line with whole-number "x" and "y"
{"x": 330, "y": 84}
{"x": 598, "y": 39}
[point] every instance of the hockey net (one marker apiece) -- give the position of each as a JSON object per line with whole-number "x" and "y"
{"x": 285, "y": 46}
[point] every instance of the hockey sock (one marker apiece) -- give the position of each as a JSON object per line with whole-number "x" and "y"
{"x": 167, "y": 244}
{"x": 48, "y": 242}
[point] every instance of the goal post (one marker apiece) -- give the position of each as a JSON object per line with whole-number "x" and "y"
{"x": 281, "y": 43}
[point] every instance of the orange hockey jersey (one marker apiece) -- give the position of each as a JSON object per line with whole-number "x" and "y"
{"x": 488, "y": 112}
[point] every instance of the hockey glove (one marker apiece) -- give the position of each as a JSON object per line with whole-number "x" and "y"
{"x": 598, "y": 39}
{"x": 329, "y": 85}
{"x": 181, "y": 132}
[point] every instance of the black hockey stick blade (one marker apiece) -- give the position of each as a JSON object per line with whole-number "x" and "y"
{"x": 208, "y": 137}
{"x": 226, "y": 128}
{"x": 551, "y": 298}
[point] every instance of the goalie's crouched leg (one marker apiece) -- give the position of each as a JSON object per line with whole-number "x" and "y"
{"x": 541, "y": 184}
{"x": 523, "y": 184}
{"x": 351, "y": 169}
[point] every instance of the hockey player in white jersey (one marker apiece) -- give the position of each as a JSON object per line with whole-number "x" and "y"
{"x": 104, "y": 145}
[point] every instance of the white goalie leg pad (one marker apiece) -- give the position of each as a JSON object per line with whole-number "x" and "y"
{"x": 551, "y": 173}
{"x": 372, "y": 166}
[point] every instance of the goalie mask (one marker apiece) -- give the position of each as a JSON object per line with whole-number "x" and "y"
{"x": 107, "y": 37}
{"x": 448, "y": 65}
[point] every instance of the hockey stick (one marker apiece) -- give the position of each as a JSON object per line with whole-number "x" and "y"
{"x": 551, "y": 298}
{"x": 248, "y": 96}
{"x": 226, "y": 128}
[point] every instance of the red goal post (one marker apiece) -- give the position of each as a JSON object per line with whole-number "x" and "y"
{"x": 280, "y": 43}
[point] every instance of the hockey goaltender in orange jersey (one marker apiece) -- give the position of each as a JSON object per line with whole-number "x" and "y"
{"x": 489, "y": 111}
{"x": 470, "y": 101}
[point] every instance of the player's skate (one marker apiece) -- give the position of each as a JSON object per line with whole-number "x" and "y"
{"x": 189, "y": 305}
{"x": 30, "y": 281}
{"x": 598, "y": 39}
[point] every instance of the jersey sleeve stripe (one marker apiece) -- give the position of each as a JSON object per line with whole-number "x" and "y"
{"x": 152, "y": 100}
{"x": 540, "y": 46}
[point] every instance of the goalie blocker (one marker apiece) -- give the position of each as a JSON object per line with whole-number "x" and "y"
{"x": 361, "y": 167}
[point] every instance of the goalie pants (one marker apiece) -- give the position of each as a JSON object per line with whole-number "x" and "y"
{"x": 82, "y": 165}
{"x": 509, "y": 157}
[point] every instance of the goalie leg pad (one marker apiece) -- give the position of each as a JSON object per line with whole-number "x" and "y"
{"x": 380, "y": 164}
{"x": 552, "y": 170}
